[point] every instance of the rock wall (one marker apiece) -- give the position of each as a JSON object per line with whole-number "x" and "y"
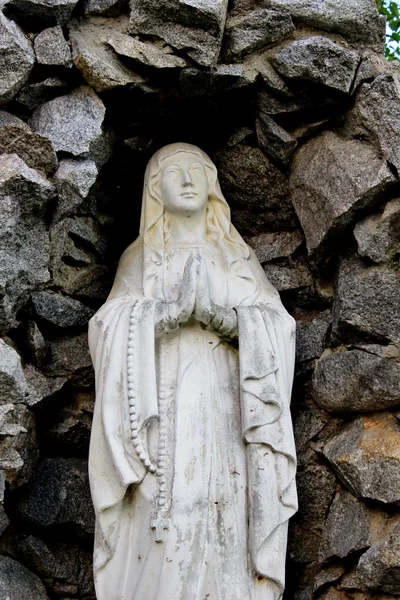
{"x": 295, "y": 103}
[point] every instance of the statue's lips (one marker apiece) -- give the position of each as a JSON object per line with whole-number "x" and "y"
{"x": 188, "y": 194}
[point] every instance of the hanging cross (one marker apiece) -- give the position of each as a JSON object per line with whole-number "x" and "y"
{"x": 159, "y": 523}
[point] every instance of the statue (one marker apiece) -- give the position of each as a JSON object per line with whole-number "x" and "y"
{"x": 192, "y": 457}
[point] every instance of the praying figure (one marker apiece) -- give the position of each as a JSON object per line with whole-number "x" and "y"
{"x": 192, "y": 458}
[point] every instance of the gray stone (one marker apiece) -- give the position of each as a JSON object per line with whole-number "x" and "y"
{"x": 13, "y": 386}
{"x": 378, "y": 568}
{"x": 320, "y": 60}
{"x": 378, "y": 236}
{"x": 74, "y": 123}
{"x": 73, "y": 180}
{"x": 16, "y": 58}
{"x": 325, "y": 210}
{"x": 98, "y": 63}
{"x": 268, "y": 246}
{"x": 358, "y": 21}
{"x": 377, "y": 108}
{"x": 19, "y": 449}
{"x": 35, "y": 346}
{"x": 34, "y": 94}
{"x": 256, "y": 30}
{"x": 366, "y": 302}
{"x": 347, "y": 528}
{"x": 288, "y": 276}
{"x": 219, "y": 79}
{"x": 366, "y": 456}
{"x": 150, "y": 54}
{"x": 16, "y": 137}
{"x": 357, "y": 381}
{"x": 105, "y": 8}
{"x": 272, "y": 79}
{"x": 17, "y": 583}
{"x": 195, "y": 26}
{"x": 297, "y": 97}
{"x": 71, "y": 429}
{"x": 256, "y": 190}
{"x": 42, "y": 12}
{"x": 24, "y": 239}
{"x": 59, "y": 496}
{"x": 329, "y": 575}
{"x": 60, "y": 311}
{"x": 51, "y": 48}
{"x": 311, "y": 335}
{"x": 307, "y": 425}
{"x": 66, "y": 567}
{"x": 273, "y": 140}
{"x": 69, "y": 357}
{"x": 370, "y": 67}
{"x": 4, "y": 520}
{"x": 40, "y": 387}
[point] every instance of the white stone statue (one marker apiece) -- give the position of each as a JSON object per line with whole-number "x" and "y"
{"x": 192, "y": 457}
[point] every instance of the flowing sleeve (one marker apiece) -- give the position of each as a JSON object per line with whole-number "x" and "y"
{"x": 121, "y": 332}
{"x": 266, "y": 355}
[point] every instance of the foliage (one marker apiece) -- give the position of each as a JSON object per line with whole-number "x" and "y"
{"x": 391, "y": 11}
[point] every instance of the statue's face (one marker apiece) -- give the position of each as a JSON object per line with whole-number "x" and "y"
{"x": 184, "y": 185}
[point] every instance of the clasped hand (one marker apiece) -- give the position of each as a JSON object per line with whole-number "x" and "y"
{"x": 195, "y": 299}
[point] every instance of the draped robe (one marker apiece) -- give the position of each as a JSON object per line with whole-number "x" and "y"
{"x": 229, "y": 456}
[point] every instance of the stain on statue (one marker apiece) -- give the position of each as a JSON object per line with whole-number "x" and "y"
{"x": 192, "y": 458}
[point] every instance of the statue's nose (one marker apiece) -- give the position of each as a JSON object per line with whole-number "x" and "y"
{"x": 186, "y": 179}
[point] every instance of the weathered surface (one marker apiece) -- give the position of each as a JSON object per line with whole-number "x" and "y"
{"x": 357, "y": 380}
{"x": 367, "y": 302}
{"x": 17, "y": 583}
{"x": 254, "y": 186}
{"x": 71, "y": 430}
{"x": 378, "y": 236}
{"x": 320, "y": 60}
{"x": 73, "y": 180}
{"x": 59, "y": 495}
{"x": 16, "y": 58}
{"x": 34, "y": 94}
{"x": 13, "y": 386}
{"x": 60, "y": 311}
{"x": 51, "y": 48}
{"x": 106, "y": 8}
{"x": 195, "y": 26}
{"x": 197, "y": 82}
{"x": 256, "y": 30}
{"x": 18, "y": 445}
{"x": 73, "y": 123}
{"x": 95, "y": 59}
{"x": 325, "y": 210}
{"x": 24, "y": 245}
{"x": 288, "y": 275}
{"x": 16, "y": 137}
{"x": 378, "y": 568}
{"x": 39, "y": 13}
{"x": 274, "y": 140}
{"x": 268, "y": 246}
{"x": 358, "y": 21}
{"x": 311, "y": 336}
{"x": 366, "y": 456}
{"x": 152, "y": 55}
{"x": 69, "y": 357}
{"x": 347, "y": 528}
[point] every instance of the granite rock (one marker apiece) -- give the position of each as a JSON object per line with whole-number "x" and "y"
{"x": 74, "y": 123}
{"x": 16, "y": 137}
{"x": 73, "y": 179}
{"x": 51, "y": 48}
{"x": 70, "y": 430}
{"x": 19, "y": 450}
{"x": 70, "y": 358}
{"x": 357, "y": 381}
{"x": 34, "y": 344}
{"x": 60, "y": 311}
{"x": 34, "y": 94}
{"x": 320, "y": 60}
{"x": 13, "y": 386}
{"x": 269, "y": 246}
{"x": 358, "y": 21}
{"x": 256, "y": 190}
{"x": 147, "y": 53}
{"x": 219, "y": 79}
{"x": 366, "y": 302}
{"x": 18, "y": 583}
{"x": 347, "y": 528}
{"x": 41, "y": 13}
{"x": 256, "y": 30}
{"x": 378, "y": 236}
{"x": 16, "y": 59}
{"x": 366, "y": 456}
{"x": 94, "y": 57}
{"x": 378, "y": 568}
{"x": 59, "y": 496}
{"x": 360, "y": 177}
{"x": 24, "y": 240}
{"x": 273, "y": 140}
{"x": 288, "y": 275}
{"x": 311, "y": 335}
{"x": 195, "y": 26}
{"x": 105, "y": 8}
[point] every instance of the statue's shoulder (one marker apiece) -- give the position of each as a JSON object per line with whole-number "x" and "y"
{"x": 132, "y": 256}
{"x": 128, "y": 279}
